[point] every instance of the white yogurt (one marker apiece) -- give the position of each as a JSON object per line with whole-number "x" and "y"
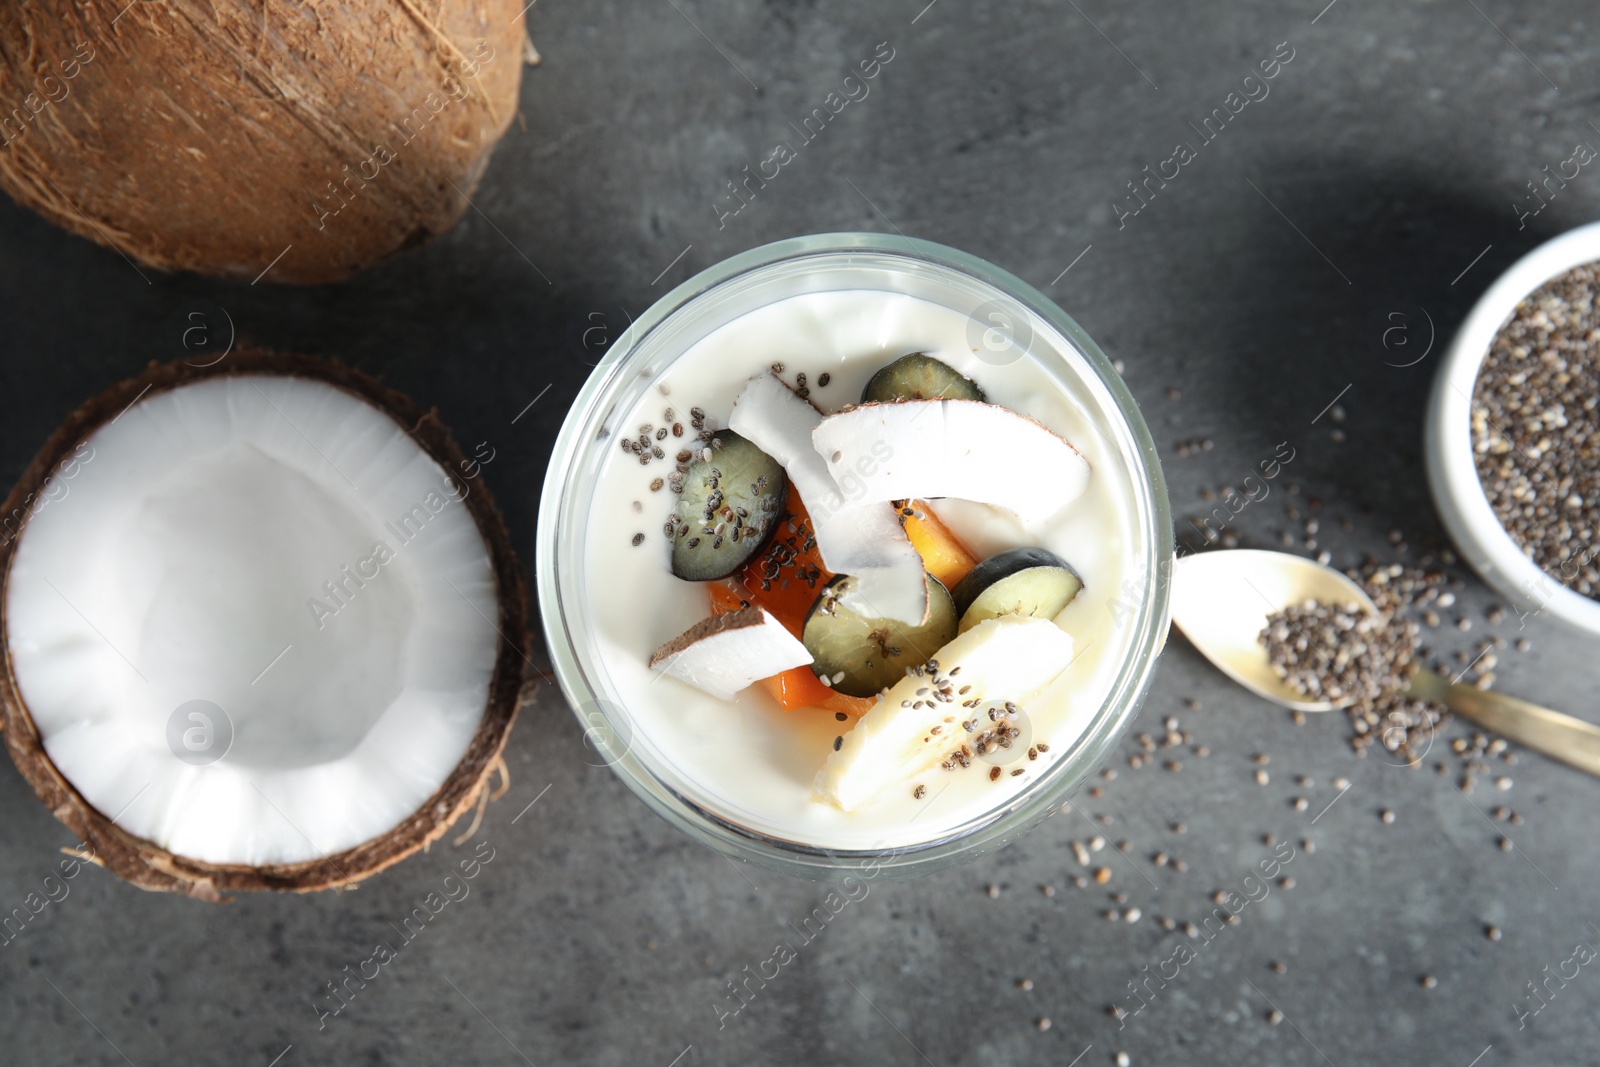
{"x": 750, "y": 763}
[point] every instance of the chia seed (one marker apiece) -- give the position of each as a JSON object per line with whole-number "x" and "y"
{"x": 1536, "y": 431}
{"x": 1336, "y": 652}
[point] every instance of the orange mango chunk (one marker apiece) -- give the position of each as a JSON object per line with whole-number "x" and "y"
{"x": 787, "y": 575}
{"x": 943, "y": 554}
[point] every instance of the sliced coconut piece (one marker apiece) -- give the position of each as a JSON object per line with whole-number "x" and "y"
{"x": 960, "y": 448}
{"x": 723, "y": 654}
{"x": 867, "y": 541}
{"x": 768, "y": 414}
{"x": 860, "y": 538}
{"x": 264, "y": 638}
{"x": 907, "y": 731}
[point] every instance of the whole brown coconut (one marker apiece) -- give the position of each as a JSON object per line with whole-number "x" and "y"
{"x": 468, "y": 787}
{"x": 295, "y": 142}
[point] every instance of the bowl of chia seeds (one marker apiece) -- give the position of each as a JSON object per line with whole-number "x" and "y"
{"x": 1513, "y": 432}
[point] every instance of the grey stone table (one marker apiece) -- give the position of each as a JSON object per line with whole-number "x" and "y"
{"x": 1374, "y": 188}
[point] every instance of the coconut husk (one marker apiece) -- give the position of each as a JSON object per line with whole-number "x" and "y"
{"x": 148, "y": 865}
{"x": 297, "y": 142}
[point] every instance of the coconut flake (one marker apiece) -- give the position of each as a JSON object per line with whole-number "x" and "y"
{"x": 952, "y": 448}
{"x": 859, "y": 537}
{"x": 770, "y": 415}
{"x": 723, "y": 654}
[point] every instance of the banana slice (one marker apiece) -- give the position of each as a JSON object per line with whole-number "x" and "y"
{"x": 927, "y": 716}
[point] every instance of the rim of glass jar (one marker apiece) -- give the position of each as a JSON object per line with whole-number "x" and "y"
{"x": 558, "y": 584}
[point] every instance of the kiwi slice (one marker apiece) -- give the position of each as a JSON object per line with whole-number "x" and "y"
{"x": 919, "y": 377}
{"x": 729, "y": 502}
{"x": 859, "y": 656}
{"x": 1019, "y": 581}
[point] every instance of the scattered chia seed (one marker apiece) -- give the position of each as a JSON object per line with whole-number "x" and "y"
{"x": 638, "y": 539}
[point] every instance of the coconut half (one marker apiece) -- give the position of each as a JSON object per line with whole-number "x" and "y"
{"x": 862, "y": 539}
{"x": 264, "y": 626}
{"x": 911, "y": 449}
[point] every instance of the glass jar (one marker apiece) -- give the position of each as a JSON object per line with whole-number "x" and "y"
{"x": 1009, "y": 319}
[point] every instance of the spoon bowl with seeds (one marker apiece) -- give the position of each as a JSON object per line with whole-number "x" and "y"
{"x": 1306, "y": 637}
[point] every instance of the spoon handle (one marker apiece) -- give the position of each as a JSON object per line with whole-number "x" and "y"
{"x": 1570, "y": 740}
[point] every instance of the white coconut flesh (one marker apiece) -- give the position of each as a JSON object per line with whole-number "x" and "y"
{"x": 912, "y": 449}
{"x": 723, "y": 654}
{"x": 287, "y": 552}
{"x": 862, "y": 539}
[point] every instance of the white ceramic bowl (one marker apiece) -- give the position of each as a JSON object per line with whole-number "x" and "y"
{"x": 1452, "y": 475}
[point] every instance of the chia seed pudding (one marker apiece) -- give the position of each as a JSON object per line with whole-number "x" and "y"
{"x": 764, "y": 688}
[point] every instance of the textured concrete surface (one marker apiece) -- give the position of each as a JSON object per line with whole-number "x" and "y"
{"x": 1373, "y": 188}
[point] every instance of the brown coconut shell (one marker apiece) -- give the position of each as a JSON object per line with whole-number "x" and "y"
{"x": 230, "y": 136}
{"x": 147, "y": 864}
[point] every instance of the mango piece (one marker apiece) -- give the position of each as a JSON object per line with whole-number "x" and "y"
{"x": 943, "y": 554}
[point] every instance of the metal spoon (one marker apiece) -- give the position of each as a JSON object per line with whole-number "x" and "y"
{"x": 1221, "y": 600}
